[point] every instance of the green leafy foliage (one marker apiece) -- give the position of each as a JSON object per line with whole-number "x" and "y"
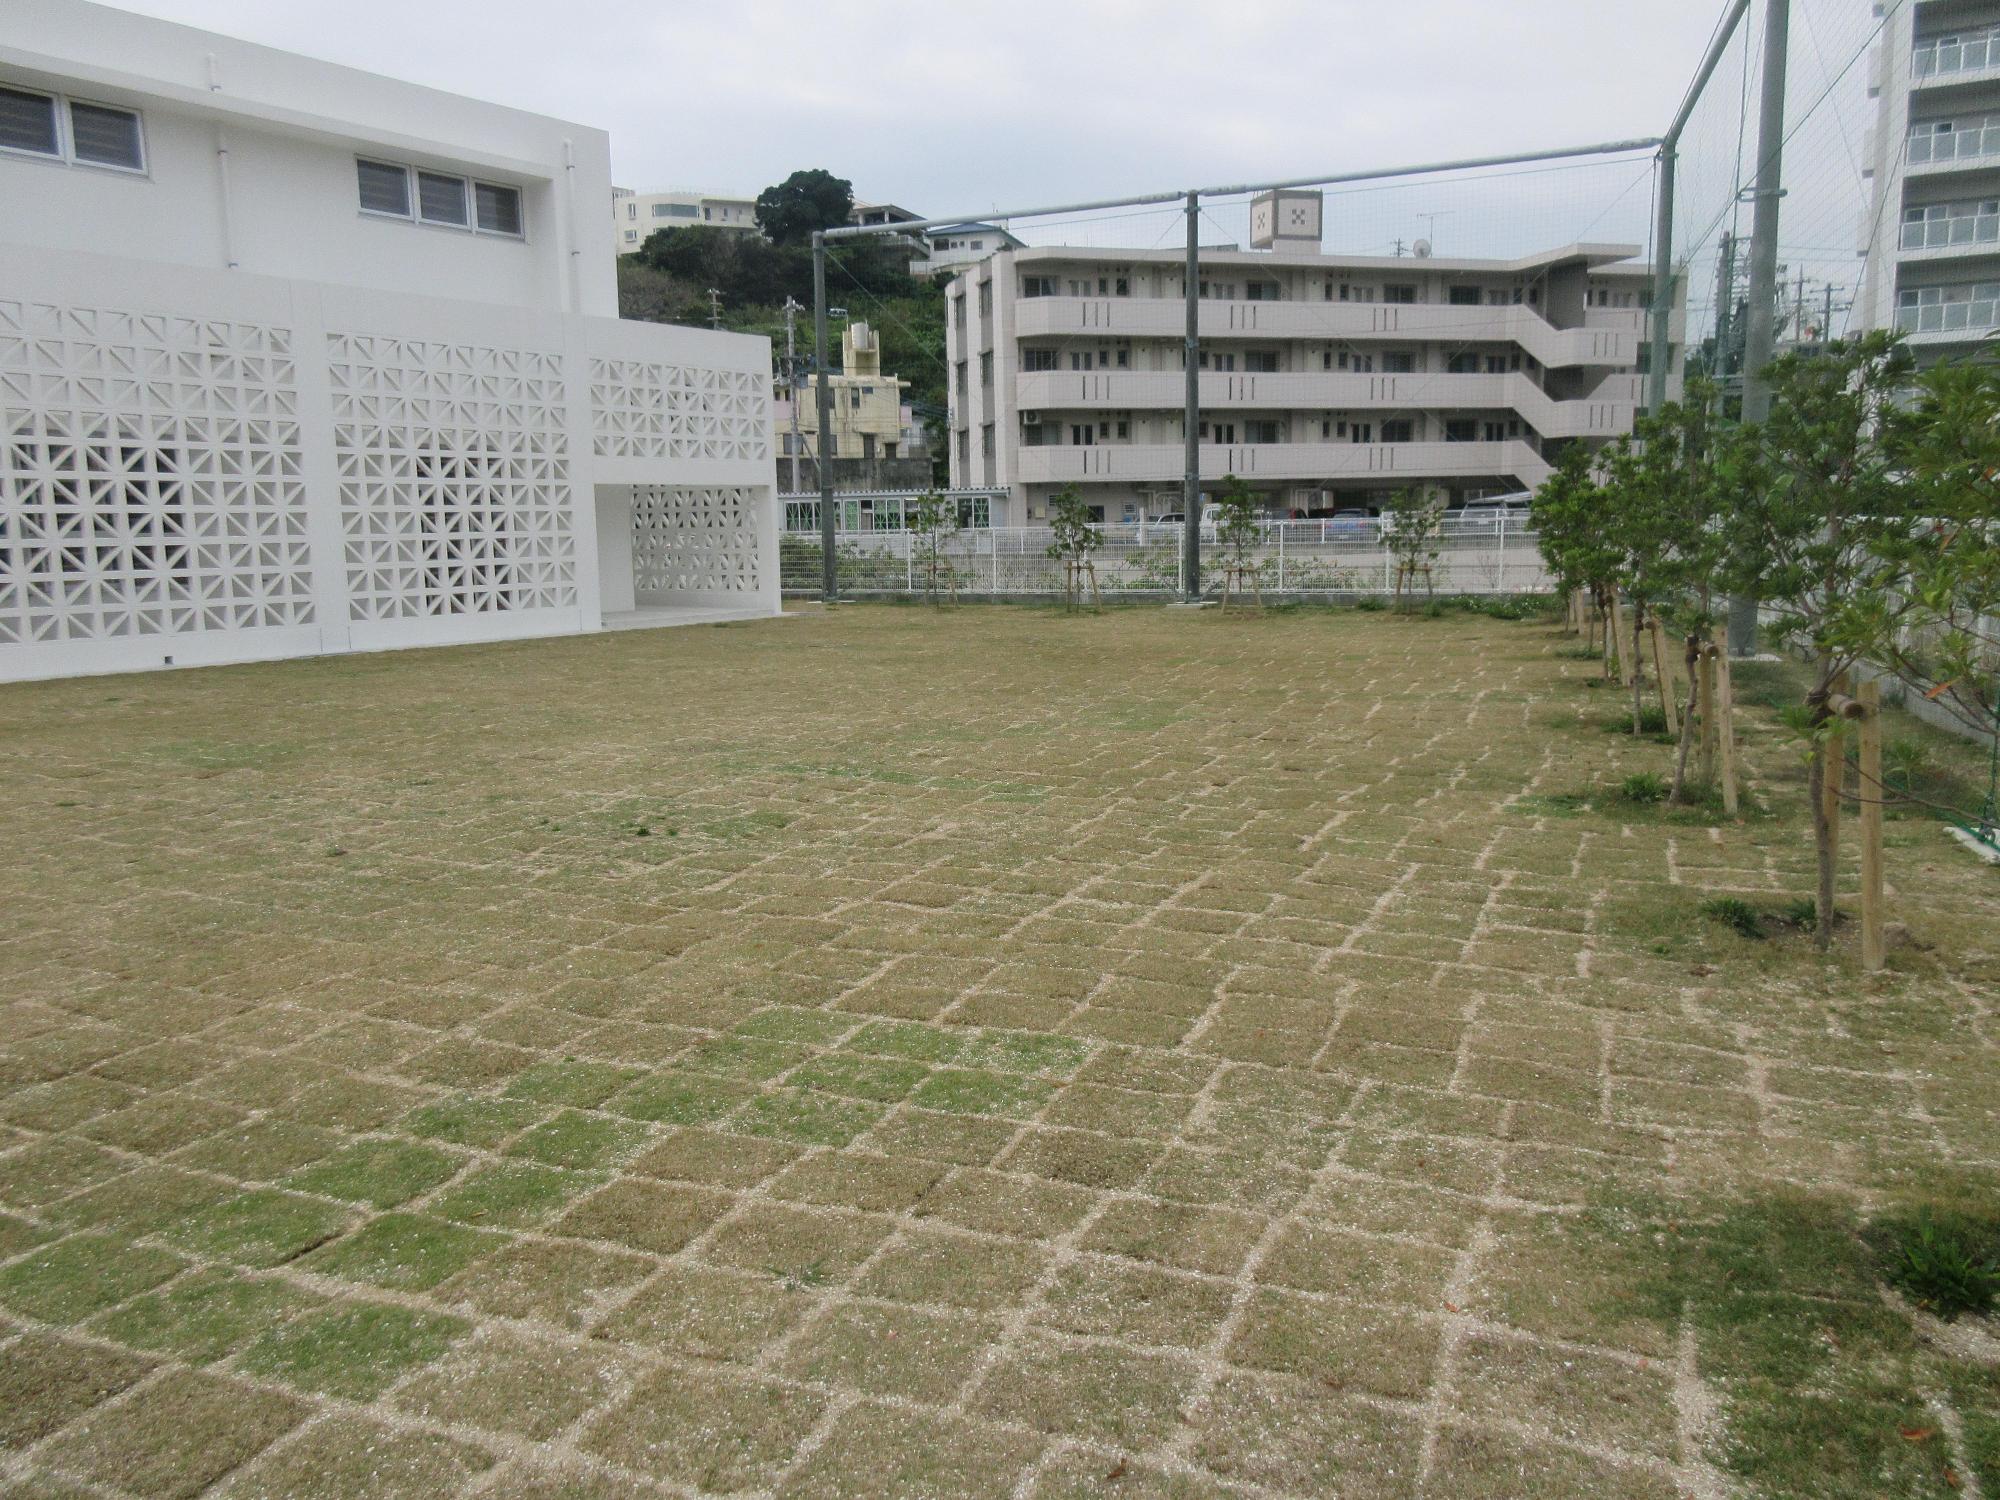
{"x": 1948, "y": 1263}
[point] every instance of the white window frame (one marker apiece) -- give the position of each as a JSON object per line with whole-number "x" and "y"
{"x": 65, "y": 153}
{"x": 413, "y": 176}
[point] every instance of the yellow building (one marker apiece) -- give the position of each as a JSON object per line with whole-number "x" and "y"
{"x": 869, "y": 420}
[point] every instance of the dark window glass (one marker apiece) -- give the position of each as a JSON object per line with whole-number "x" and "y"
{"x": 105, "y": 137}
{"x": 385, "y": 188}
{"x": 441, "y": 199}
{"x": 28, "y": 122}
{"x": 499, "y": 208}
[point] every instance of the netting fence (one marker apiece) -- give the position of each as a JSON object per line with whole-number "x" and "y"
{"x": 1334, "y": 557}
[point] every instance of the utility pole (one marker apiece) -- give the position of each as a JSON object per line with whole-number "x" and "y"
{"x": 1763, "y": 268}
{"x": 1191, "y": 421}
{"x": 828, "y": 564}
{"x": 1826, "y": 323}
{"x": 714, "y": 308}
{"x": 792, "y": 383}
{"x": 1399, "y": 247}
{"x": 1725, "y": 309}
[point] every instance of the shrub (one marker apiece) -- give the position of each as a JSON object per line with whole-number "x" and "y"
{"x": 1373, "y": 603}
{"x": 1802, "y": 912}
{"x": 1946, "y": 1263}
{"x": 1646, "y": 786}
{"x": 1734, "y": 913}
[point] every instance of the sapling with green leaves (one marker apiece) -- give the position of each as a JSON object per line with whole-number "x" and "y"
{"x": 1639, "y": 478}
{"x": 1949, "y": 650}
{"x": 1238, "y": 529}
{"x": 1412, "y": 531}
{"x": 1819, "y": 541}
{"x": 1075, "y": 537}
{"x": 1568, "y": 514}
{"x": 933, "y": 521}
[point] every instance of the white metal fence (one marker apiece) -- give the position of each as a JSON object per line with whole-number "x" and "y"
{"x": 1488, "y": 554}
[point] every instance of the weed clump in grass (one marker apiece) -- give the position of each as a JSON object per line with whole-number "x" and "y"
{"x": 1801, "y": 913}
{"x": 1645, "y": 787}
{"x": 1652, "y": 724}
{"x": 1734, "y": 913}
{"x": 1371, "y": 603}
{"x": 1946, "y": 1263}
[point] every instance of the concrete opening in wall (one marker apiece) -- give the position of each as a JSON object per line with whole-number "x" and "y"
{"x": 673, "y": 554}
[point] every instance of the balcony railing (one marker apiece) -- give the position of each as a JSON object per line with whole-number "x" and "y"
{"x": 1963, "y": 229}
{"x": 1974, "y": 315}
{"x": 1955, "y": 145}
{"x": 1963, "y": 55}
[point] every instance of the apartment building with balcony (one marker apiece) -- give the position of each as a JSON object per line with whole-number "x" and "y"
{"x": 1327, "y": 381}
{"x": 296, "y": 359}
{"x": 634, "y": 216}
{"x": 1932, "y": 232}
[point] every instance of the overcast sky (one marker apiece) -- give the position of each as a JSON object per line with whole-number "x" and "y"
{"x": 952, "y": 105}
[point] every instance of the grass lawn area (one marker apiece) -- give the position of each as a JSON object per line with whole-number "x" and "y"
{"x": 980, "y": 1053}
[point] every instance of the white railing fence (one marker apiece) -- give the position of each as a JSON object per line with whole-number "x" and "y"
{"x": 1487, "y": 555}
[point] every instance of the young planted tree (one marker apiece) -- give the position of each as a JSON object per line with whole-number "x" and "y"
{"x": 1237, "y": 531}
{"x": 1820, "y": 540}
{"x": 1076, "y": 537}
{"x": 1949, "y": 648}
{"x": 1568, "y": 514}
{"x": 1639, "y": 474}
{"x": 1411, "y": 531}
{"x": 933, "y": 521}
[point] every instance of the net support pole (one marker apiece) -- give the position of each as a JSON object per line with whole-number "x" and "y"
{"x": 1761, "y": 331}
{"x": 829, "y": 576}
{"x": 1661, "y": 340}
{"x": 1191, "y": 424}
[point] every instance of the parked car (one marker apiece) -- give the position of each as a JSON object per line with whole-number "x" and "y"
{"x": 1505, "y": 511}
{"x": 1349, "y": 521}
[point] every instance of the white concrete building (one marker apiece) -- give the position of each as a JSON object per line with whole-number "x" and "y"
{"x": 1932, "y": 234}
{"x": 1330, "y": 381}
{"x": 634, "y": 216}
{"x": 298, "y": 359}
{"x": 949, "y": 248}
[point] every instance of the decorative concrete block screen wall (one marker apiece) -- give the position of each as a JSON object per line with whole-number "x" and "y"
{"x": 204, "y": 466}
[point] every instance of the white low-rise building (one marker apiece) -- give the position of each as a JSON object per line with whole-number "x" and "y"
{"x": 299, "y": 359}
{"x": 635, "y": 216}
{"x": 1328, "y": 382}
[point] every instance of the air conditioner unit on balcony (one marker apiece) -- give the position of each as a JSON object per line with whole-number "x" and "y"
{"x": 1031, "y": 419}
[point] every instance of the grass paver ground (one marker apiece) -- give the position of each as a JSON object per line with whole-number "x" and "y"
{"x": 957, "y": 1054}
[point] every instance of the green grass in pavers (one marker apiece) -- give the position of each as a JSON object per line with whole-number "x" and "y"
{"x": 380, "y": 1174}
{"x": 670, "y": 1098}
{"x": 474, "y": 1120}
{"x": 177, "y": 1436}
{"x": 967, "y": 1091}
{"x": 46, "y": 1382}
{"x": 263, "y": 1227}
{"x": 508, "y": 1384}
{"x": 1256, "y": 1020}
{"x": 881, "y": 1453}
{"x": 805, "y": 1117}
{"x": 580, "y": 1141}
{"x": 403, "y": 1252}
{"x": 206, "y": 1316}
{"x": 71, "y": 1279}
{"x": 349, "y": 1456}
{"x": 511, "y": 1195}
{"x": 710, "y": 1431}
{"x": 352, "y": 1349}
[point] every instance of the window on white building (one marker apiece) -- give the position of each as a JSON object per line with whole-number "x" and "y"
{"x": 1395, "y": 293}
{"x": 499, "y": 208}
{"x": 69, "y": 130}
{"x": 1039, "y": 286}
{"x": 385, "y": 188}
{"x": 441, "y": 199}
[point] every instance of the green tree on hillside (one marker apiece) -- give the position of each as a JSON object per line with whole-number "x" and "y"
{"x": 790, "y": 211}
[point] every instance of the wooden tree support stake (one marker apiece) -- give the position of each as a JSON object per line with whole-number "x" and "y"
{"x": 1234, "y": 576}
{"x": 1663, "y": 670}
{"x": 1725, "y": 717}
{"x": 1833, "y": 763}
{"x": 1626, "y": 666}
{"x": 1870, "y": 796}
{"x": 1708, "y": 715}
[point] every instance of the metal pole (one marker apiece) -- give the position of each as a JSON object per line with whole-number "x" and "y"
{"x": 829, "y": 586}
{"x": 1761, "y": 332}
{"x": 1191, "y": 424}
{"x": 792, "y": 380}
{"x": 1663, "y": 285}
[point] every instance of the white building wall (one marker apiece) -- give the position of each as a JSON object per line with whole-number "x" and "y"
{"x": 251, "y": 162}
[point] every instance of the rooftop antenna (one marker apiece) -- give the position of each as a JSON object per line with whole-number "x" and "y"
{"x": 1430, "y": 222}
